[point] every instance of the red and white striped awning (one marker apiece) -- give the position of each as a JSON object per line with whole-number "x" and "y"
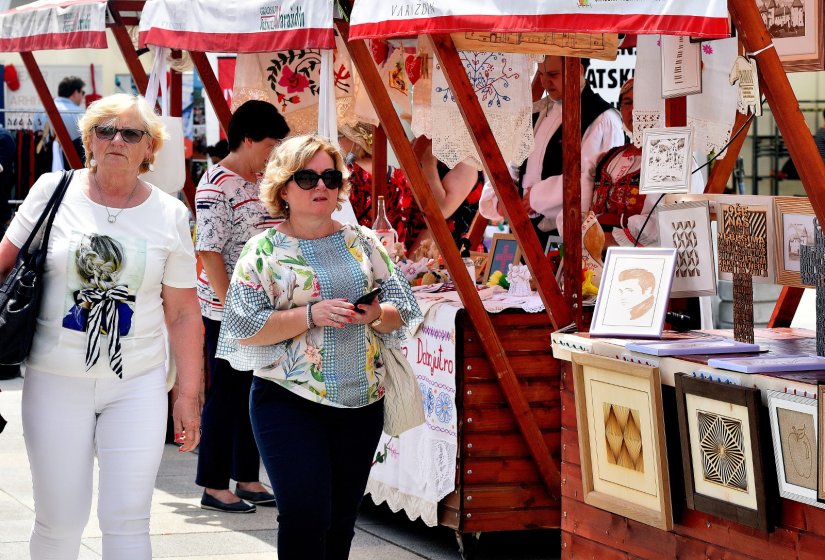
{"x": 397, "y": 18}
{"x": 54, "y": 24}
{"x": 241, "y": 26}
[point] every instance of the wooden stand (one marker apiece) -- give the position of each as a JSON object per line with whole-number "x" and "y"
{"x": 498, "y": 486}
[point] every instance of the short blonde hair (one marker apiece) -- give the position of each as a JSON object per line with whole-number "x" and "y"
{"x": 107, "y": 109}
{"x": 293, "y": 155}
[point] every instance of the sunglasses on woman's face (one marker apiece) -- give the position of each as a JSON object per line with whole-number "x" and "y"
{"x": 307, "y": 178}
{"x": 129, "y": 135}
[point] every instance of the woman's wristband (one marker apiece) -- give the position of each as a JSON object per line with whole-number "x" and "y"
{"x": 379, "y": 319}
{"x": 310, "y": 322}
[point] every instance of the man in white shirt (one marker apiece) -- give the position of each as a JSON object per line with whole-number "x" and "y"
{"x": 70, "y": 104}
{"x": 541, "y": 176}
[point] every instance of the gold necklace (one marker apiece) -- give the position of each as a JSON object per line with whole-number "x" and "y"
{"x": 112, "y": 218}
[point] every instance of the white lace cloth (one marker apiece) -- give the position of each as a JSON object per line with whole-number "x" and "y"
{"x": 291, "y": 81}
{"x": 417, "y": 468}
{"x": 502, "y": 84}
{"x": 713, "y": 112}
{"x": 648, "y": 105}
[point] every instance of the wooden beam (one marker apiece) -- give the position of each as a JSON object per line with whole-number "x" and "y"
{"x": 722, "y": 168}
{"x": 676, "y": 111}
{"x": 499, "y": 177}
{"x": 127, "y": 49}
{"x": 572, "y": 185}
{"x": 786, "y": 307}
{"x": 360, "y": 56}
{"x": 57, "y": 124}
{"x": 212, "y": 88}
{"x": 777, "y": 89}
{"x": 379, "y": 167}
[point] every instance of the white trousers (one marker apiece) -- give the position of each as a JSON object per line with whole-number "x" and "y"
{"x": 66, "y": 421}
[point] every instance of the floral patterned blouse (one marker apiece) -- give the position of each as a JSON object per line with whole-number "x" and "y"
{"x": 340, "y": 367}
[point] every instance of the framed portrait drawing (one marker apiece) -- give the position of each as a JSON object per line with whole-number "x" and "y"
{"x": 722, "y": 456}
{"x": 798, "y": 32}
{"x": 622, "y": 438}
{"x": 794, "y": 434}
{"x": 667, "y": 154}
{"x": 820, "y": 420}
{"x": 760, "y": 218}
{"x": 794, "y": 224}
{"x": 686, "y": 227}
{"x": 480, "y": 262}
{"x": 633, "y": 292}
{"x": 504, "y": 251}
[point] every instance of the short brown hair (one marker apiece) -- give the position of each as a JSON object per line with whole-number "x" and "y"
{"x": 646, "y": 279}
{"x": 293, "y": 155}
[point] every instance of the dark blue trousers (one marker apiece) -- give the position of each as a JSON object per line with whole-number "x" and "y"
{"x": 227, "y": 448}
{"x": 318, "y": 458}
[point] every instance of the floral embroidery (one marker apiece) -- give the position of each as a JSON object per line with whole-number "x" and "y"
{"x": 293, "y": 81}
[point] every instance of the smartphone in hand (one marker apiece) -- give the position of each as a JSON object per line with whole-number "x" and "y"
{"x": 366, "y": 299}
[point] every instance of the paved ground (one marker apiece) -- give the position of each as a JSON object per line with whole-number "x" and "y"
{"x": 181, "y": 529}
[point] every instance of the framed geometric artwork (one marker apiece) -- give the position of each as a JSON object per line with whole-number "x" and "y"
{"x": 794, "y": 221}
{"x": 719, "y": 426}
{"x": 633, "y": 292}
{"x": 504, "y": 250}
{"x": 760, "y": 217}
{"x": 794, "y": 433}
{"x": 667, "y": 154}
{"x": 622, "y": 438}
{"x": 686, "y": 227}
{"x": 798, "y": 33}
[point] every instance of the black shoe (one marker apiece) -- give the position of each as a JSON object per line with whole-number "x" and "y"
{"x": 264, "y": 499}
{"x": 211, "y": 502}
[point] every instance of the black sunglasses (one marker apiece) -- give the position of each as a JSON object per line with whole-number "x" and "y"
{"x": 307, "y": 178}
{"x": 129, "y": 135}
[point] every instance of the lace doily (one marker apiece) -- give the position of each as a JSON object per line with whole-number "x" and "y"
{"x": 648, "y": 105}
{"x": 413, "y": 506}
{"x": 502, "y": 83}
{"x": 713, "y": 112}
{"x": 710, "y": 136}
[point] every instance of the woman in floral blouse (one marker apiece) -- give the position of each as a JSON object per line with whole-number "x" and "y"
{"x": 315, "y": 401}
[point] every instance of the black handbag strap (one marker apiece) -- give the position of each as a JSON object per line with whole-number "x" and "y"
{"x": 39, "y": 237}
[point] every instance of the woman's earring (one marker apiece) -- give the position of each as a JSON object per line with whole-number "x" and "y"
{"x": 149, "y": 165}
{"x": 92, "y": 163}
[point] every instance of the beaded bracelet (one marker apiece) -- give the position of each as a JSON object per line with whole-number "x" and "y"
{"x": 310, "y": 322}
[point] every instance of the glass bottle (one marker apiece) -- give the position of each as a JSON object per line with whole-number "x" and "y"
{"x": 383, "y": 228}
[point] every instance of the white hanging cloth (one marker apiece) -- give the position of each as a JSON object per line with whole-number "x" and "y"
{"x": 648, "y": 105}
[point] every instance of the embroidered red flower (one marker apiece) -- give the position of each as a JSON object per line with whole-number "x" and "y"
{"x": 293, "y": 81}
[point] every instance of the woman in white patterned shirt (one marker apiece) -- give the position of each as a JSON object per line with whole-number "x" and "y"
{"x": 316, "y": 396}
{"x": 228, "y": 214}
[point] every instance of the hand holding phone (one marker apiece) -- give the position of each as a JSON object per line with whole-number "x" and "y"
{"x": 366, "y": 299}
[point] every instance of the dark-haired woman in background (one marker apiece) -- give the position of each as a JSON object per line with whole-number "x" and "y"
{"x": 228, "y": 214}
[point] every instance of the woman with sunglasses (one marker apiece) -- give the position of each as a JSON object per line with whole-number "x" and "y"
{"x": 289, "y": 316}
{"x": 228, "y": 214}
{"x": 120, "y": 265}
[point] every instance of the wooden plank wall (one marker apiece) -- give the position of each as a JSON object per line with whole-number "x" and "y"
{"x": 498, "y": 487}
{"x": 589, "y": 532}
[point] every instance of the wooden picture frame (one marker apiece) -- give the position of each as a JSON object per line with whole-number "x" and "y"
{"x": 481, "y": 261}
{"x": 713, "y": 415}
{"x": 798, "y": 34}
{"x": 686, "y": 227}
{"x": 622, "y": 438}
{"x": 794, "y": 435}
{"x": 794, "y": 226}
{"x": 760, "y": 209}
{"x": 502, "y": 246}
{"x": 633, "y": 292}
{"x": 667, "y": 156}
{"x": 820, "y": 425}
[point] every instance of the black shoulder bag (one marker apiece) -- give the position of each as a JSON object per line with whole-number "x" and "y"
{"x": 21, "y": 291}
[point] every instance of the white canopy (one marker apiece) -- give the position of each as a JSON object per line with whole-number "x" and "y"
{"x": 381, "y": 18}
{"x": 245, "y": 26}
{"x": 54, "y": 24}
